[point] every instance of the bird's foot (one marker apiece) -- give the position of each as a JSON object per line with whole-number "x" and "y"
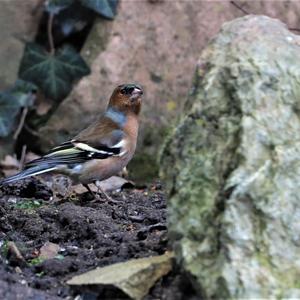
{"x": 97, "y": 196}
{"x": 107, "y": 197}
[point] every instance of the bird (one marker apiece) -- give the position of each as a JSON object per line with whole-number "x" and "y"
{"x": 99, "y": 151}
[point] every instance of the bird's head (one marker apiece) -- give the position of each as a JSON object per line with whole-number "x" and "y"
{"x": 127, "y": 98}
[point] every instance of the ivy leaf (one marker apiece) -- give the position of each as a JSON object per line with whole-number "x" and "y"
{"x": 72, "y": 62}
{"x": 11, "y": 102}
{"x": 24, "y": 92}
{"x": 56, "y": 6}
{"x": 106, "y": 8}
{"x": 9, "y": 109}
{"x": 53, "y": 74}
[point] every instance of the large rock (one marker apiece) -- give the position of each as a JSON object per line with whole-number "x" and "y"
{"x": 233, "y": 165}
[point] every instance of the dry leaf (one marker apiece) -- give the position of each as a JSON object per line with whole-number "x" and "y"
{"x": 9, "y": 165}
{"x": 111, "y": 184}
{"x": 114, "y": 183}
{"x": 134, "y": 277}
{"x": 49, "y": 250}
{"x": 9, "y": 162}
{"x": 80, "y": 189}
{"x": 30, "y": 156}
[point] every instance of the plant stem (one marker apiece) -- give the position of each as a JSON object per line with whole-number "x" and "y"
{"x": 21, "y": 123}
{"x": 294, "y": 29}
{"x": 246, "y": 13}
{"x": 50, "y": 36}
{"x": 239, "y": 7}
{"x": 22, "y": 159}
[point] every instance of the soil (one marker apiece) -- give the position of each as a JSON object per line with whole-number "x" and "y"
{"x": 89, "y": 233}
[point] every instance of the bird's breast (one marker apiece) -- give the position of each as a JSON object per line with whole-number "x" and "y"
{"x": 102, "y": 169}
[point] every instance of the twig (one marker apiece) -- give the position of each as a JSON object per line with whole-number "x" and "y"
{"x": 157, "y": 226}
{"x": 32, "y": 131}
{"x": 246, "y": 13}
{"x": 294, "y": 29}
{"x": 50, "y": 36}
{"x": 21, "y": 123}
{"x": 239, "y": 7}
{"x": 22, "y": 158}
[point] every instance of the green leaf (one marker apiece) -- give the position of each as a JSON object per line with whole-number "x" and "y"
{"x": 73, "y": 62}
{"x": 23, "y": 87}
{"x": 4, "y": 248}
{"x": 35, "y": 261}
{"x": 9, "y": 109}
{"x": 53, "y": 74}
{"x": 55, "y": 6}
{"x": 28, "y": 204}
{"x": 106, "y": 8}
{"x": 24, "y": 92}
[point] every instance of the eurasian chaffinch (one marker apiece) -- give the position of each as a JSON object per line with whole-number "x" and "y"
{"x": 101, "y": 150}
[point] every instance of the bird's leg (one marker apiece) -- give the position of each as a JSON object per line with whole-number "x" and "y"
{"x": 89, "y": 189}
{"x": 108, "y": 198}
{"x": 95, "y": 196}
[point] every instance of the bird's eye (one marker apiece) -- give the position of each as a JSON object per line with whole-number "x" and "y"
{"x": 127, "y": 90}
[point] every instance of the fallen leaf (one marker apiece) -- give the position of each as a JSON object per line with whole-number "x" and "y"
{"x": 80, "y": 189}
{"x": 134, "y": 277}
{"x": 9, "y": 165}
{"x": 9, "y": 172}
{"x": 114, "y": 183}
{"x": 111, "y": 184}
{"x": 9, "y": 162}
{"x": 49, "y": 250}
{"x": 30, "y": 156}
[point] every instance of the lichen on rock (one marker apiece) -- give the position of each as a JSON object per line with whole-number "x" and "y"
{"x": 232, "y": 165}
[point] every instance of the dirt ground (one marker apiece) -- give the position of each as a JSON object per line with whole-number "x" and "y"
{"x": 89, "y": 234}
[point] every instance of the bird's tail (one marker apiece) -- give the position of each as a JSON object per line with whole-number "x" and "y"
{"x": 35, "y": 170}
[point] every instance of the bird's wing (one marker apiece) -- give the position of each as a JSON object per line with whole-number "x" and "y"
{"x": 79, "y": 151}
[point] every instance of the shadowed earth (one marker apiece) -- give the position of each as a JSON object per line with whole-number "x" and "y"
{"x": 89, "y": 234}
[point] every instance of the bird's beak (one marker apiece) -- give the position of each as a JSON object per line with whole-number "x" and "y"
{"x": 136, "y": 93}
